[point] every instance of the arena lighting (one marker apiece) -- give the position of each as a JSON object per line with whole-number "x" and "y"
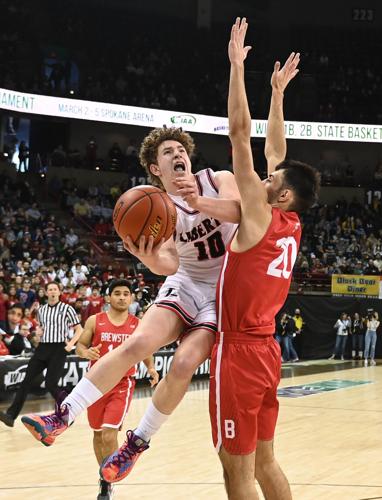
{"x": 146, "y": 117}
{"x": 42, "y": 176}
{"x": 71, "y": 92}
{"x": 98, "y": 168}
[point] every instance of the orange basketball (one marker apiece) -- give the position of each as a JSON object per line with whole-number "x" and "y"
{"x": 144, "y": 210}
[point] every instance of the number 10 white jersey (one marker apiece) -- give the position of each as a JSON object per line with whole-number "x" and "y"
{"x": 201, "y": 240}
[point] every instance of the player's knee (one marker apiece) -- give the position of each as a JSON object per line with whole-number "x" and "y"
{"x": 138, "y": 345}
{"x": 184, "y": 366}
{"x": 264, "y": 463}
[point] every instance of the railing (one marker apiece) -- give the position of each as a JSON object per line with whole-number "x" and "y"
{"x": 311, "y": 283}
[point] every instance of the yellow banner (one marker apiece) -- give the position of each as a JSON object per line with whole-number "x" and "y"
{"x": 350, "y": 284}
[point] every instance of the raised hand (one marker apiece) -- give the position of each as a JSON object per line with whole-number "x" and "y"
{"x": 281, "y": 77}
{"x": 237, "y": 52}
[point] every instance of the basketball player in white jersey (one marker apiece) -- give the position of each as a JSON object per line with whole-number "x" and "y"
{"x": 186, "y": 302}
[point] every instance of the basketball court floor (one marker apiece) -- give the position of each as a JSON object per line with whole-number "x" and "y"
{"x": 328, "y": 441}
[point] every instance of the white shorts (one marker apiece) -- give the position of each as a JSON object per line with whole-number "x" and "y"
{"x": 193, "y": 301}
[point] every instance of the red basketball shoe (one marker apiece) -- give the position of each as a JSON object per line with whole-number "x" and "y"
{"x": 46, "y": 428}
{"x": 119, "y": 465}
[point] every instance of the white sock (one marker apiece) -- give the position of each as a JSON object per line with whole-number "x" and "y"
{"x": 83, "y": 395}
{"x": 150, "y": 423}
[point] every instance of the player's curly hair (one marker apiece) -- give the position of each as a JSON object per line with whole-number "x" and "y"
{"x": 148, "y": 153}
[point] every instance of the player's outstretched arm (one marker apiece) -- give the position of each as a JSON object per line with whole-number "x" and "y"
{"x": 163, "y": 259}
{"x": 252, "y": 191}
{"x": 275, "y": 143}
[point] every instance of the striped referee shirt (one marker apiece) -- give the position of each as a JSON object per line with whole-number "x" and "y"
{"x": 55, "y": 321}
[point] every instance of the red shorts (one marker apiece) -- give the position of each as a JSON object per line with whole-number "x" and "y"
{"x": 110, "y": 410}
{"x": 245, "y": 372}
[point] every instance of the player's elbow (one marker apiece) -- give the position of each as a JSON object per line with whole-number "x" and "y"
{"x": 172, "y": 269}
{"x": 166, "y": 269}
{"x": 239, "y": 133}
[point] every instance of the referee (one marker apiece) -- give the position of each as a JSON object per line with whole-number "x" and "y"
{"x": 54, "y": 318}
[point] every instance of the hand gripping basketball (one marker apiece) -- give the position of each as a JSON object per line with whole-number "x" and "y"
{"x": 144, "y": 211}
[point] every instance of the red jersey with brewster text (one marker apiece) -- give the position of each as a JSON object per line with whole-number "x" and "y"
{"x": 254, "y": 284}
{"x": 111, "y": 336}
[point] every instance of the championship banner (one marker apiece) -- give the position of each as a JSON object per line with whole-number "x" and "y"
{"x": 357, "y": 286}
{"x": 13, "y": 369}
{"x": 146, "y": 117}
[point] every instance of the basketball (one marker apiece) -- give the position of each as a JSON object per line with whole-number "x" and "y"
{"x": 144, "y": 210}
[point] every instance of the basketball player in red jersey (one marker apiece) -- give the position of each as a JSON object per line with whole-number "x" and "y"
{"x": 246, "y": 360}
{"x": 102, "y": 333}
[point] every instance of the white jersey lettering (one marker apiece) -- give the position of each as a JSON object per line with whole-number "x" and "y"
{"x": 201, "y": 240}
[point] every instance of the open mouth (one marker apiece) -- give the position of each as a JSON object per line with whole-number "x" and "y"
{"x": 179, "y": 167}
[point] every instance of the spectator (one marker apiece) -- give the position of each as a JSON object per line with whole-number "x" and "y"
{"x": 23, "y": 157}
{"x": 25, "y": 295}
{"x": 15, "y": 315}
{"x": 82, "y": 209}
{"x": 79, "y": 276}
{"x": 298, "y": 321}
{"x": 12, "y": 299}
{"x": 134, "y": 307}
{"x": 20, "y": 343}
{"x": 372, "y": 325}
{"x": 342, "y": 326}
{"x": 71, "y": 239}
{"x": 287, "y": 332}
{"x": 33, "y": 213}
{"x": 95, "y": 303}
{"x": 357, "y": 336}
{"x": 37, "y": 262}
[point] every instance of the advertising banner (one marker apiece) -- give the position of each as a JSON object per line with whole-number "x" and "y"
{"x": 358, "y": 286}
{"x": 146, "y": 117}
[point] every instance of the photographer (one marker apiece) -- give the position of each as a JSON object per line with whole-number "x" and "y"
{"x": 287, "y": 332}
{"x": 342, "y": 326}
{"x": 372, "y": 324}
{"x": 357, "y": 336}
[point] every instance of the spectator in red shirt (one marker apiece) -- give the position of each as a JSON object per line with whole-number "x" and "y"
{"x": 29, "y": 319}
{"x": 96, "y": 302}
{"x": 102, "y": 227}
{"x": 12, "y": 299}
{"x": 70, "y": 296}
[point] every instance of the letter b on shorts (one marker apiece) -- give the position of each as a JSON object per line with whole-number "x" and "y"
{"x": 229, "y": 429}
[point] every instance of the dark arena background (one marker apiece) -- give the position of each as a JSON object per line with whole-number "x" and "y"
{"x": 81, "y": 84}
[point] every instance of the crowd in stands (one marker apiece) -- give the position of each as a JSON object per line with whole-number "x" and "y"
{"x": 341, "y": 239}
{"x": 104, "y": 55}
{"x": 35, "y": 249}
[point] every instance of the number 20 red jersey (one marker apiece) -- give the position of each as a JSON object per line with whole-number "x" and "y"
{"x": 254, "y": 284}
{"x": 111, "y": 336}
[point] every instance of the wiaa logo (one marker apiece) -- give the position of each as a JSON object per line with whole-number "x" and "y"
{"x": 16, "y": 376}
{"x": 183, "y": 120}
